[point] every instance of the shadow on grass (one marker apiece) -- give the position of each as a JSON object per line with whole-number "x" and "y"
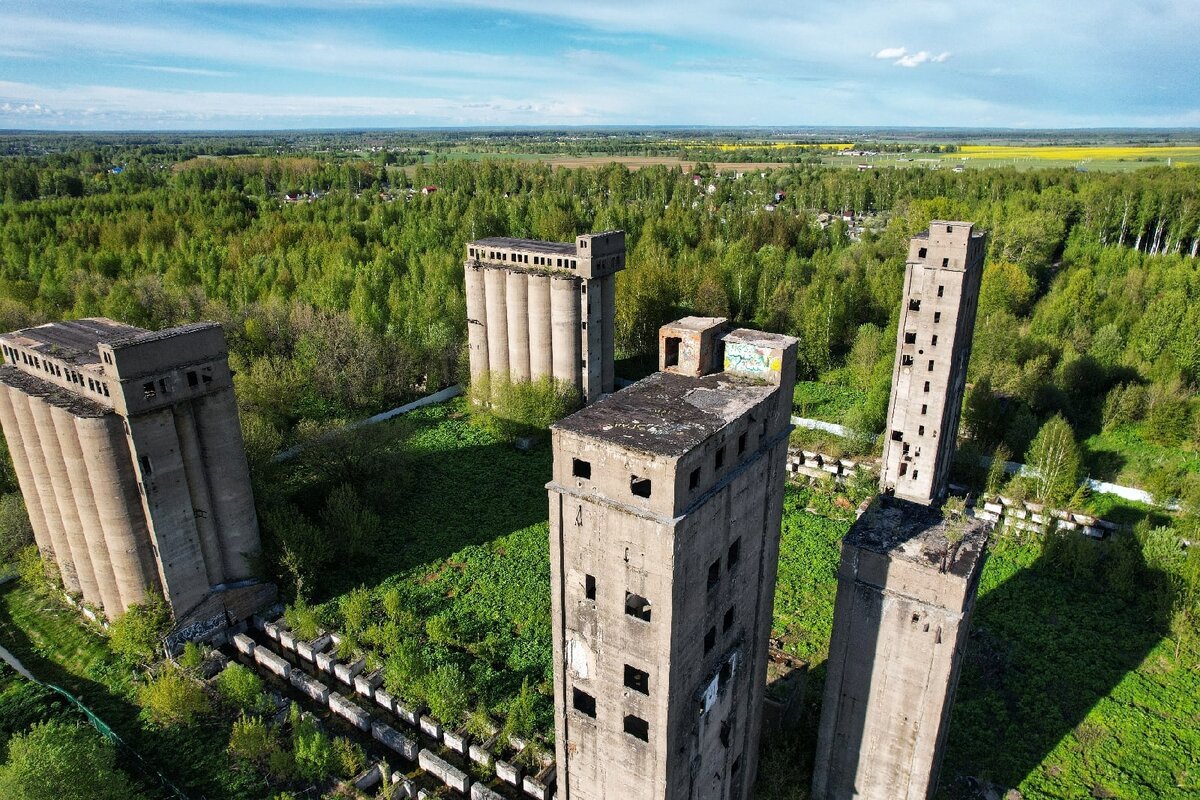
{"x": 1047, "y": 645}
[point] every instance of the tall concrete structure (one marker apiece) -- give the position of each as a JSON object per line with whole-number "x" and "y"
{"x": 908, "y": 576}
{"x": 665, "y": 507}
{"x": 129, "y": 454}
{"x": 905, "y": 595}
{"x": 933, "y": 347}
{"x": 538, "y": 309}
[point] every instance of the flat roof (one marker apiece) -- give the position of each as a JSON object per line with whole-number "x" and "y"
{"x": 533, "y": 245}
{"x": 913, "y": 532}
{"x": 74, "y": 340}
{"x": 75, "y": 404}
{"x": 667, "y": 413}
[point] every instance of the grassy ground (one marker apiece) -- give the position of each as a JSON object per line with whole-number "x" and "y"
{"x": 825, "y": 401}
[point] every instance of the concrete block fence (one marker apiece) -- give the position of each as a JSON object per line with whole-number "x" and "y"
{"x": 817, "y": 465}
{"x": 1033, "y": 517}
{"x": 354, "y": 695}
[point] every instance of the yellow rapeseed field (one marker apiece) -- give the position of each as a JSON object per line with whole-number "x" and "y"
{"x": 1079, "y": 152}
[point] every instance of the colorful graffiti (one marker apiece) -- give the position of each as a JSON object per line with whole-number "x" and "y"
{"x": 746, "y": 359}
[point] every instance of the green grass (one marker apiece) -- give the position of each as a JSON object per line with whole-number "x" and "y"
{"x": 825, "y": 401}
{"x": 1123, "y": 455}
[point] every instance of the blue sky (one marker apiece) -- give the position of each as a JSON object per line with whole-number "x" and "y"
{"x": 189, "y": 64}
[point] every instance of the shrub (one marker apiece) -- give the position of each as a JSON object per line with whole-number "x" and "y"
{"x": 446, "y": 693}
{"x": 192, "y": 658}
{"x": 315, "y": 759}
{"x": 301, "y": 618}
{"x": 405, "y": 671}
{"x": 522, "y": 713}
{"x": 136, "y": 635}
{"x": 510, "y": 409}
{"x": 251, "y": 740}
{"x": 240, "y": 688}
{"x": 172, "y": 698}
{"x": 349, "y": 757}
{"x": 356, "y": 609}
{"x": 58, "y": 761}
{"x": 37, "y": 573}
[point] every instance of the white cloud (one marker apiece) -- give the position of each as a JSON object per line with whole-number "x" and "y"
{"x": 940, "y": 57}
{"x": 891, "y": 52}
{"x": 913, "y": 59}
{"x": 207, "y": 73}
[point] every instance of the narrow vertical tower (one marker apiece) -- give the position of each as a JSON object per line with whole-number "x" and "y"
{"x": 908, "y": 575}
{"x": 665, "y": 508}
{"x": 933, "y": 347}
{"x": 544, "y": 309}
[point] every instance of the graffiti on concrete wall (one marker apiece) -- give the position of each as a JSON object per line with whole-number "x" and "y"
{"x": 746, "y": 359}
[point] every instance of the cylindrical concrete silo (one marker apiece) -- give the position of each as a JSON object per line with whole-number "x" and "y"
{"x": 224, "y": 453}
{"x": 56, "y": 467}
{"x": 608, "y": 331}
{"x": 497, "y": 322}
{"x": 85, "y": 506}
{"x": 477, "y": 329}
{"x": 119, "y": 506}
{"x": 541, "y": 355}
{"x": 23, "y": 408}
{"x": 197, "y": 481}
{"x": 516, "y": 306}
{"x": 565, "y": 331}
{"x": 20, "y": 458}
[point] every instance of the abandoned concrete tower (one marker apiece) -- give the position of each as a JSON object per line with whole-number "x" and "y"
{"x": 129, "y": 455}
{"x": 937, "y": 323}
{"x": 538, "y": 309}
{"x": 908, "y": 576}
{"x": 665, "y": 507}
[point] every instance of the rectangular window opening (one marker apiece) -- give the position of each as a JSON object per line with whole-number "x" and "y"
{"x": 637, "y": 680}
{"x": 714, "y": 574}
{"x": 637, "y": 727}
{"x": 719, "y": 459}
{"x": 920, "y": 430}
{"x": 741, "y": 444}
{"x": 145, "y": 462}
{"x": 583, "y": 702}
{"x": 924, "y": 408}
{"x": 727, "y": 622}
{"x": 930, "y": 366}
{"x": 637, "y": 606}
{"x": 906, "y": 361}
{"x": 725, "y": 675}
{"x": 941, "y": 290}
{"x": 910, "y": 337}
{"x": 148, "y": 390}
{"x": 945, "y": 262}
{"x": 903, "y": 468}
{"x": 933, "y": 341}
{"x": 589, "y": 587}
{"x": 937, "y": 316}
{"x": 926, "y": 387}
{"x": 735, "y": 553}
{"x": 922, "y": 252}
{"x": 581, "y": 468}
{"x": 914, "y": 475}
{"x": 671, "y": 351}
{"x": 639, "y": 486}
{"x": 192, "y": 379}
{"x": 897, "y": 436}
{"x": 914, "y": 305}
{"x": 694, "y": 480}
{"x": 710, "y": 639}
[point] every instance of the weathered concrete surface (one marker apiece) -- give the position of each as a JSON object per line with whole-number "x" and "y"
{"x": 310, "y": 686}
{"x": 456, "y": 741}
{"x": 539, "y": 786}
{"x": 481, "y": 792}
{"x": 666, "y": 501}
{"x": 933, "y": 346}
{"x": 447, "y": 773}
{"x": 272, "y": 662}
{"x": 480, "y": 755}
{"x": 309, "y": 650}
{"x": 347, "y": 672}
{"x": 384, "y": 700}
{"x": 244, "y": 644}
{"x": 349, "y": 711}
{"x": 509, "y": 773}
{"x": 366, "y": 685}
{"x": 901, "y": 620}
{"x": 390, "y": 737}
{"x": 405, "y": 712}
{"x": 431, "y": 727}
{"x": 325, "y": 661}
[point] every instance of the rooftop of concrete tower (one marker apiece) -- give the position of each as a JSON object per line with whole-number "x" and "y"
{"x": 667, "y": 413}
{"x": 913, "y": 532}
{"x": 33, "y": 386}
{"x": 533, "y": 245}
{"x": 75, "y": 341}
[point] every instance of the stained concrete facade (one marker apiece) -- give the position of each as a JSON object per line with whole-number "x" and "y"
{"x": 900, "y": 625}
{"x": 130, "y": 458}
{"x": 544, "y": 309}
{"x": 933, "y": 348}
{"x": 665, "y": 508}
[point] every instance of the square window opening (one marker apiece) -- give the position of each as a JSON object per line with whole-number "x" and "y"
{"x": 906, "y": 361}
{"x": 910, "y": 337}
{"x": 897, "y": 436}
{"x": 637, "y": 606}
{"x": 637, "y": 680}
{"x": 639, "y": 486}
{"x": 581, "y": 468}
{"x": 922, "y": 252}
{"x": 914, "y": 305}
{"x": 583, "y": 702}
{"x": 637, "y": 727}
{"x": 148, "y": 390}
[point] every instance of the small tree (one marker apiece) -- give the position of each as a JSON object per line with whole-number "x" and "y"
{"x": 349, "y": 756}
{"x": 405, "y": 671}
{"x": 240, "y": 688}
{"x": 1054, "y": 458}
{"x": 136, "y": 636}
{"x": 251, "y": 740}
{"x": 356, "y": 609}
{"x": 58, "y": 761}
{"x": 522, "y": 713}
{"x": 446, "y": 693}
{"x": 172, "y": 698}
{"x": 996, "y": 473}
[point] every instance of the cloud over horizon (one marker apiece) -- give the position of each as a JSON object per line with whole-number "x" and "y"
{"x": 298, "y": 63}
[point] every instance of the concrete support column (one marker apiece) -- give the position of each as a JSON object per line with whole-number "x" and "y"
{"x": 119, "y": 506}
{"x": 60, "y": 483}
{"x": 565, "y": 330}
{"x": 516, "y": 306}
{"x": 158, "y": 464}
{"x": 224, "y": 454}
{"x": 541, "y": 358}
{"x": 17, "y": 449}
{"x": 89, "y": 517}
{"x": 608, "y": 336}
{"x": 193, "y": 468}
{"x": 477, "y": 329}
{"x": 497, "y": 322}
{"x": 591, "y": 304}
{"x": 23, "y": 410}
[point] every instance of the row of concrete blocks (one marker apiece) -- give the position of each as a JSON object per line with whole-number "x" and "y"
{"x": 814, "y": 465}
{"x": 368, "y": 686}
{"x": 404, "y": 787}
{"x": 1035, "y": 517}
